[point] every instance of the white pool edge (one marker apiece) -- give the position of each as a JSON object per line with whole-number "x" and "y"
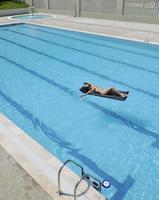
{"x": 39, "y": 163}
{"x": 20, "y": 21}
{"x": 94, "y": 33}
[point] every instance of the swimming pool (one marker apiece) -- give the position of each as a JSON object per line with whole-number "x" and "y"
{"x": 32, "y": 16}
{"x": 41, "y": 71}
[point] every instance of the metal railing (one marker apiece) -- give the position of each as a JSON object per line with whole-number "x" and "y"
{"x": 59, "y": 173}
{"x": 89, "y": 179}
{"x": 142, "y": 8}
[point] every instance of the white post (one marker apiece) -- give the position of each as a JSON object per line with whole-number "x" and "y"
{"x": 77, "y": 8}
{"x": 47, "y": 4}
{"x": 120, "y": 7}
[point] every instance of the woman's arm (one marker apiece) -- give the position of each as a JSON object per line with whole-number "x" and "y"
{"x": 89, "y": 92}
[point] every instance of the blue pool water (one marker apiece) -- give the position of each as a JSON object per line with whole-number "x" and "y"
{"x": 41, "y": 70}
{"x": 34, "y": 16}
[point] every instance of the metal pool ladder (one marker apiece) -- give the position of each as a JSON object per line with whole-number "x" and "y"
{"x": 91, "y": 181}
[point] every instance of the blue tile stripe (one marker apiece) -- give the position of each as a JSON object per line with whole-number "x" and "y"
{"x": 11, "y": 24}
{"x": 32, "y": 27}
{"x": 130, "y": 124}
{"x": 126, "y": 64}
{"x": 54, "y": 136}
{"x": 69, "y": 64}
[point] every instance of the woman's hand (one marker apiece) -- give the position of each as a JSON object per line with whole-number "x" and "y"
{"x": 82, "y": 95}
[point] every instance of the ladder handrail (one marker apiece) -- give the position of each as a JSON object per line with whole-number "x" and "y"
{"x": 84, "y": 177}
{"x": 75, "y": 189}
{"x": 59, "y": 172}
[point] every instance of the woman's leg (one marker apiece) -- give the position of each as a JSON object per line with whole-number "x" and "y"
{"x": 114, "y": 91}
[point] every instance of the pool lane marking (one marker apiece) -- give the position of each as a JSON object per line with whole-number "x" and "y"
{"x": 53, "y": 135}
{"x": 50, "y": 81}
{"x": 69, "y": 64}
{"x": 126, "y": 64}
{"x": 114, "y": 115}
{"x": 85, "y": 41}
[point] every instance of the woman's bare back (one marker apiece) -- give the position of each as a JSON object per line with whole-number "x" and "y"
{"x": 100, "y": 90}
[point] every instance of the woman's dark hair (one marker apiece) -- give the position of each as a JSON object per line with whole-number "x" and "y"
{"x": 85, "y": 88}
{"x": 88, "y": 84}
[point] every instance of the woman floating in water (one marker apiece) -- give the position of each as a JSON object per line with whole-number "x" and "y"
{"x": 89, "y": 88}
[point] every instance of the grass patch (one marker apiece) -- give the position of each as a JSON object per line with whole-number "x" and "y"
{"x": 11, "y": 4}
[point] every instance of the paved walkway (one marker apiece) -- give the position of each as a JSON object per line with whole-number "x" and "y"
{"x": 16, "y": 183}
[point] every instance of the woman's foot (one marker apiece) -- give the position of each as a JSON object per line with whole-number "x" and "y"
{"x": 124, "y": 95}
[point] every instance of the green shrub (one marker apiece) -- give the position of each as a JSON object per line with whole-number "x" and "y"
{"x": 11, "y": 4}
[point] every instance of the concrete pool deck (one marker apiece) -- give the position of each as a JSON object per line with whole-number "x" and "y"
{"x": 130, "y": 30}
{"x": 16, "y": 183}
{"x": 37, "y": 163}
